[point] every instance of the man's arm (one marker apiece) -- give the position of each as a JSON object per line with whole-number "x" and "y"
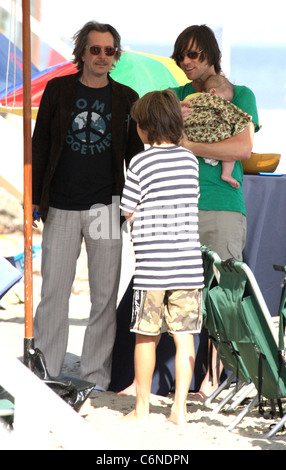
{"x": 41, "y": 146}
{"x": 237, "y": 147}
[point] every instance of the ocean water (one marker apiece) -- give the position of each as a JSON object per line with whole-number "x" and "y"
{"x": 263, "y": 69}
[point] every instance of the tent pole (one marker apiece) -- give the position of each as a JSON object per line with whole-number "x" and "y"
{"x": 27, "y": 131}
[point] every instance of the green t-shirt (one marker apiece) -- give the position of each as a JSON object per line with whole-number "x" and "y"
{"x": 216, "y": 194}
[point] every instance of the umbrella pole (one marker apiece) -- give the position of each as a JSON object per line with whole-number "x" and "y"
{"x": 27, "y": 131}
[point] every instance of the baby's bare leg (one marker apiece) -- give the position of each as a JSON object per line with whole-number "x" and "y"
{"x": 227, "y": 168}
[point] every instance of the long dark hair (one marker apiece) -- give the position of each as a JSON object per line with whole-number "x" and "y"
{"x": 205, "y": 40}
{"x": 80, "y": 40}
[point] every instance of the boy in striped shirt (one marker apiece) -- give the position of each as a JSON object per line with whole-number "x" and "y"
{"x": 160, "y": 198}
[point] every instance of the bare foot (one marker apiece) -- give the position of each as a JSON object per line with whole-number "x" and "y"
{"x": 230, "y": 180}
{"x": 199, "y": 396}
{"x": 130, "y": 390}
{"x": 134, "y": 417}
{"x": 176, "y": 417}
{"x": 207, "y": 389}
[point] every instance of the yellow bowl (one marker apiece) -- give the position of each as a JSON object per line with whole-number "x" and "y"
{"x": 266, "y": 162}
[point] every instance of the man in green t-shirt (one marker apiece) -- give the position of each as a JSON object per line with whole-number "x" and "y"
{"x": 222, "y": 215}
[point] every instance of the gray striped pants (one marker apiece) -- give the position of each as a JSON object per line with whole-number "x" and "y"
{"x": 63, "y": 234}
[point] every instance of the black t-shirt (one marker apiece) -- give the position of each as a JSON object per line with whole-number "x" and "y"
{"x": 84, "y": 174}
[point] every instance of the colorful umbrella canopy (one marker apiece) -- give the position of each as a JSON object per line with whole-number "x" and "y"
{"x": 142, "y": 72}
{"x": 11, "y": 61}
{"x": 13, "y": 102}
{"x": 145, "y": 72}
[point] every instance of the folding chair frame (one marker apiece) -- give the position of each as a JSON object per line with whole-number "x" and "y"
{"x": 232, "y": 265}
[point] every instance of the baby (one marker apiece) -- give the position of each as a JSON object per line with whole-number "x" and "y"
{"x": 214, "y": 118}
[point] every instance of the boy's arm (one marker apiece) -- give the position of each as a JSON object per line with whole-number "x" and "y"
{"x": 129, "y": 216}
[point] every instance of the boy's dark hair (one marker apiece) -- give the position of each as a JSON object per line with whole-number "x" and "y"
{"x": 159, "y": 114}
{"x": 80, "y": 40}
{"x": 204, "y": 39}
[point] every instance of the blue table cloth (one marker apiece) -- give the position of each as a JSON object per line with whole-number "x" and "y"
{"x": 265, "y": 200}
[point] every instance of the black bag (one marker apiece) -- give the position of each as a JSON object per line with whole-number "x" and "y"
{"x": 72, "y": 391}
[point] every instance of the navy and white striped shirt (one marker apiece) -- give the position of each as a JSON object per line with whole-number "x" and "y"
{"x": 162, "y": 188}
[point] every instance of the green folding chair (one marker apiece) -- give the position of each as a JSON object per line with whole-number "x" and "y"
{"x": 281, "y": 341}
{"x": 226, "y": 349}
{"x": 248, "y": 324}
{"x": 7, "y": 408}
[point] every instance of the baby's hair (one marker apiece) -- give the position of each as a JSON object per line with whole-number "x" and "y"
{"x": 159, "y": 114}
{"x": 220, "y": 83}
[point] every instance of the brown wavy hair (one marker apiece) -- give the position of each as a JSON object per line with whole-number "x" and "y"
{"x": 159, "y": 114}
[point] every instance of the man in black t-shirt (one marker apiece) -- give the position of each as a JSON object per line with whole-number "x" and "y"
{"x": 83, "y": 139}
{"x": 84, "y": 174}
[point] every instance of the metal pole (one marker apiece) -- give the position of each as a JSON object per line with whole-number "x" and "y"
{"x": 27, "y": 135}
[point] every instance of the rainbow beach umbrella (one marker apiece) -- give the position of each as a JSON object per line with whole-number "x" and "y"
{"x": 142, "y": 72}
{"x": 146, "y": 72}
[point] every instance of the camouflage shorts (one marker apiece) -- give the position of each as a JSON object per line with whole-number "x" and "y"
{"x": 181, "y": 311}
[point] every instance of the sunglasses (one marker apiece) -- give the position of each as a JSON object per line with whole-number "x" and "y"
{"x": 96, "y": 50}
{"x": 190, "y": 55}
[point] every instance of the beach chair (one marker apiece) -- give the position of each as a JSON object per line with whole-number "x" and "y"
{"x": 281, "y": 342}
{"x": 9, "y": 276}
{"x": 249, "y": 325}
{"x": 6, "y": 409}
{"x": 18, "y": 260}
{"x": 226, "y": 349}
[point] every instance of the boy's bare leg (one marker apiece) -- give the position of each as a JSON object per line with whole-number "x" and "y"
{"x": 184, "y": 368}
{"x": 145, "y": 359}
{"x": 131, "y": 389}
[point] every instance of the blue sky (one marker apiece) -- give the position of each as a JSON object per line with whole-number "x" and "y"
{"x": 249, "y": 22}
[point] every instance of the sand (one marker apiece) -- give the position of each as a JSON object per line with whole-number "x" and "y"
{"x": 104, "y": 411}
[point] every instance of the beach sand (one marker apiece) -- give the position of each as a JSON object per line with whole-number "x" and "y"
{"x": 104, "y": 411}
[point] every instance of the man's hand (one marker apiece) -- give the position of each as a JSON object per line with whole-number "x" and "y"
{"x": 186, "y": 109}
{"x": 36, "y": 215}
